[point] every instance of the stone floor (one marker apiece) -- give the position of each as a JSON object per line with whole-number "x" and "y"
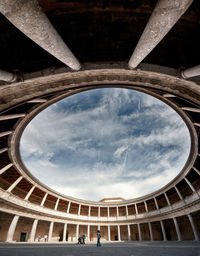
{"x": 107, "y": 249}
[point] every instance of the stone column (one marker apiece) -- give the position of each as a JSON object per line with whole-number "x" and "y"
{"x": 5, "y": 168}
{"x": 126, "y": 211}
{"x": 7, "y": 76}
{"x": 150, "y": 231}
{"x": 167, "y": 199}
{"x": 44, "y": 199}
{"x": 79, "y": 209}
{"x": 77, "y": 231}
{"x": 191, "y": 72}
{"x": 119, "y": 234}
{"x": 190, "y": 185}
{"x": 65, "y": 232}
{"x": 89, "y": 211}
{"x": 56, "y": 205}
{"x": 88, "y": 233}
{"x": 164, "y": 16}
{"x": 29, "y": 193}
{"x": 156, "y": 203}
{"x": 179, "y": 194}
{"x": 14, "y": 184}
{"x": 33, "y": 231}
{"x": 177, "y": 229}
{"x": 11, "y": 116}
{"x": 108, "y": 212}
{"x": 37, "y": 100}
{"x": 68, "y": 207}
{"x": 99, "y": 211}
{"x": 163, "y": 231}
{"x": 146, "y": 208}
{"x": 50, "y": 231}
{"x": 117, "y": 211}
{"x": 193, "y": 228}
{"x": 108, "y": 232}
{"x": 12, "y": 228}
{"x": 2, "y": 134}
{"x": 3, "y": 150}
{"x": 139, "y": 232}
{"x": 29, "y": 18}
{"x": 129, "y": 232}
{"x": 197, "y": 171}
{"x": 136, "y": 209}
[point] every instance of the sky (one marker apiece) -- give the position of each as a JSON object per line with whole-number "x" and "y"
{"x": 104, "y": 143}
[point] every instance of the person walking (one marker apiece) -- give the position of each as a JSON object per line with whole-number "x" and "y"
{"x": 98, "y": 238}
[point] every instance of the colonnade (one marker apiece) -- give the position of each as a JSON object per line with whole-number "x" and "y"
{"x": 110, "y": 236}
{"x": 122, "y": 210}
{"x": 126, "y": 211}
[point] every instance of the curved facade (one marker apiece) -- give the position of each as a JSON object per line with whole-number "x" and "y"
{"x": 29, "y": 209}
{"x": 171, "y": 213}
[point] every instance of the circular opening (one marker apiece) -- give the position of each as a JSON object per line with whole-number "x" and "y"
{"x": 108, "y": 142}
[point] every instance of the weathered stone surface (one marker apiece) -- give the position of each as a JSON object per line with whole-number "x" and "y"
{"x": 163, "y": 18}
{"x": 28, "y": 17}
{"x": 7, "y": 76}
{"x": 191, "y": 72}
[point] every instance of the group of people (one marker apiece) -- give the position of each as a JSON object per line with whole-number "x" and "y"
{"x": 45, "y": 238}
{"x": 81, "y": 239}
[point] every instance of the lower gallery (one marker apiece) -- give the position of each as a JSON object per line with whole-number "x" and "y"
{"x": 41, "y": 70}
{"x": 30, "y": 210}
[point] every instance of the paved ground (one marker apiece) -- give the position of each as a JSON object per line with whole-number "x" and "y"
{"x": 107, "y": 249}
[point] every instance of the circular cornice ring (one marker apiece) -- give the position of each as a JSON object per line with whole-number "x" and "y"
{"x": 58, "y": 86}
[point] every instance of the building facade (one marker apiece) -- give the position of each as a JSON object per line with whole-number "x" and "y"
{"x": 30, "y": 209}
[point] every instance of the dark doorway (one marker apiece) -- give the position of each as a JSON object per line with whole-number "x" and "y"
{"x": 116, "y": 238}
{"x": 61, "y": 235}
{"x": 23, "y": 237}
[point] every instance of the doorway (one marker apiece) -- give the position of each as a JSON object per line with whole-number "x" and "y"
{"x": 23, "y": 236}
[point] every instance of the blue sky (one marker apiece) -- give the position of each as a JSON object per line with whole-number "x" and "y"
{"x": 106, "y": 143}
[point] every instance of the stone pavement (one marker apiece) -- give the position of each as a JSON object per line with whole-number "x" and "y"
{"x": 107, "y": 249}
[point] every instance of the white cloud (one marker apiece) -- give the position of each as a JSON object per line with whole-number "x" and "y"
{"x": 120, "y": 150}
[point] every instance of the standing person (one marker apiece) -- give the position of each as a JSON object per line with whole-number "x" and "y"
{"x": 98, "y": 238}
{"x": 79, "y": 239}
{"x": 45, "y": 238}
{"x": 39, "y": 238}
{"x": 83, "y": 237}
